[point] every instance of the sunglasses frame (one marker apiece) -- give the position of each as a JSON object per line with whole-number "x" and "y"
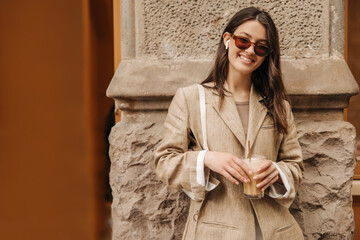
{"x": 254, "y": 44}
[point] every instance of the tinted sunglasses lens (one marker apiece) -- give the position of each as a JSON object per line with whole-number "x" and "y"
{"x": 242, "y": 43}
{"x": 261, "y": 50}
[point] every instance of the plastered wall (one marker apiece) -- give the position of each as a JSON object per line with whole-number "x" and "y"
{"x": 191, "y": 29}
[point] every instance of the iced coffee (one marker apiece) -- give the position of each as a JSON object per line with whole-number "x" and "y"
{"x": 250, "y": 189}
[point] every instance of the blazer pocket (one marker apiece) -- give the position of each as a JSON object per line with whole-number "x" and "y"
{"x": 219, "y": 225}
{"x": 284, "y": 228}
{"x": 291, "y": 231}
{"x": 268, "y": 126}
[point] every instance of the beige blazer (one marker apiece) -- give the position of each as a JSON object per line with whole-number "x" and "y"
{"x": 223, "y": 213}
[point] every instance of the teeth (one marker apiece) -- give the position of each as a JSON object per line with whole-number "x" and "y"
{"x": 245, "y": 59}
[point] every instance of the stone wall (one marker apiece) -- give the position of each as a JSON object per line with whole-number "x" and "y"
{"x": 179, "y": 29}
{"x": 170, "y": 44}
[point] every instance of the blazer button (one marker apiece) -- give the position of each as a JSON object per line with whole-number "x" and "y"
{"x": 196, "y": 214}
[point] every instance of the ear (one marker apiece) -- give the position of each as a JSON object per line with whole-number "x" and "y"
{"x": 226, "y": 38}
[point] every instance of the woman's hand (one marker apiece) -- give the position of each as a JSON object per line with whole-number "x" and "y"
{"x": 226, "y": 164}
{"x": 267, "y": 175}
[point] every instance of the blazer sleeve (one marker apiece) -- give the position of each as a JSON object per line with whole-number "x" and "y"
{"x": 290, "y": 159}
{"x": 175, "y": 164}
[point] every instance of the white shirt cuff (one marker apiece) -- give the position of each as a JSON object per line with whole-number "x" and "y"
{"x": 202, "y": 174}
{"x": 273, "y": 191}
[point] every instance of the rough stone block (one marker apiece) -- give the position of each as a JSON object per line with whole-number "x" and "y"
{"x": 143, "y": 207}
{"x": 323, "y": 207}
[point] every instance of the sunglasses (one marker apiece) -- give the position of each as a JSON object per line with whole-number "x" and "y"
{"x": 244, "y": 43}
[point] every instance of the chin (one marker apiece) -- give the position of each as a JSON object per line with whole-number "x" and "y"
{"x": 244, "y": 70}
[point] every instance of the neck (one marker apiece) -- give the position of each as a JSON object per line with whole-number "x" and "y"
{"x": 239, "y": 86}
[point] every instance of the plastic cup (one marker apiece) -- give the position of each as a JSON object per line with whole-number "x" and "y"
{"x": 250, "y": 189}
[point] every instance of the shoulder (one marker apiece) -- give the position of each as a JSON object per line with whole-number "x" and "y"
{"x": 191, "y": 89}
{"x": 287, "y": 105}
{"x": 189, "y": 92}
{"x": 185, "y": 95}
{"x": 194, "y": 87}
{"x": 288, "y": 109}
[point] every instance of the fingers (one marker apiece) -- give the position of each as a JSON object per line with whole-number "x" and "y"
{"x": 268, "y": 174}
{"x": 244, "y": 167}
{"x": 265, "y": 165}
{"x": 267, "y": 177}
{"x": 238, "y": 169}
{"x": 229, "y": 177}
{"x": 265, "y": 170}
{"x": 231, "y": 167}
{"x": 238, "y": 172}
{"x": 268, "y": 184}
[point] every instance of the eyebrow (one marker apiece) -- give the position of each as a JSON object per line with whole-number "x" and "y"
{"x": 251, "y": 36}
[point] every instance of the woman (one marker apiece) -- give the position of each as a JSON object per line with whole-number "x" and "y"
{"x": 245, "y": 102}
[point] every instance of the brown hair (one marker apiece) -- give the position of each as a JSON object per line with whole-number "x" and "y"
{"x": 267, "y": 78}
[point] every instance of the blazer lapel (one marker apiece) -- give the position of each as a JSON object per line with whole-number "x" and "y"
{"x": 257, "y": 114}
{"x": 229, "y": 114}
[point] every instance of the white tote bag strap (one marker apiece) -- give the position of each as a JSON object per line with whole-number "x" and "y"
{"x": 202, "y": 174}
{"x": 203, "y": 115}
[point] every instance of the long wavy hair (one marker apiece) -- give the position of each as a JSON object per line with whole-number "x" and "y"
{"x": 267, "y": 78}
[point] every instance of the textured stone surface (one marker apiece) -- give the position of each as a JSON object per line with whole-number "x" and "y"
{"x": 143, "y": 207}
{"x": 182, "y": 28}
{"x": 324, "y": 204}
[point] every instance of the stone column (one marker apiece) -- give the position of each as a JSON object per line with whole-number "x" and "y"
{"x": 170, "y": 44}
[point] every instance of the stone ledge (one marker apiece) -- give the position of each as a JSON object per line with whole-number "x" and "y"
{"x": 325, "y": 83}
{"x": 136, "y": 79}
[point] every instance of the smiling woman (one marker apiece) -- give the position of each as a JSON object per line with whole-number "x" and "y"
{"x": 240, "y": 109}
{"x": 243, "y": 58}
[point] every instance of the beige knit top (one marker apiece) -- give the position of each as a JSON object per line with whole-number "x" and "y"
{"x": 243, "y": 110}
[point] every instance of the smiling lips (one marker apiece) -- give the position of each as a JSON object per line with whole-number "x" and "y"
{"x": 246, "y": 59}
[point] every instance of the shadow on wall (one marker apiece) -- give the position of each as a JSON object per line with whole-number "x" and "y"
{"x": 110, "y": 122}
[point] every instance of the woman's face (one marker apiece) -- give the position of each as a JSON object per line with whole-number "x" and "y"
{"x": 245, "y": 61}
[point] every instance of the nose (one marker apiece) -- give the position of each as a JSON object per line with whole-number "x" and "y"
{"x": 251, "y": 49}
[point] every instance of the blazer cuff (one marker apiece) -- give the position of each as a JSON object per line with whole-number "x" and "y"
{"x": 201, "y": 181}
{"x": 280, "y": 190}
